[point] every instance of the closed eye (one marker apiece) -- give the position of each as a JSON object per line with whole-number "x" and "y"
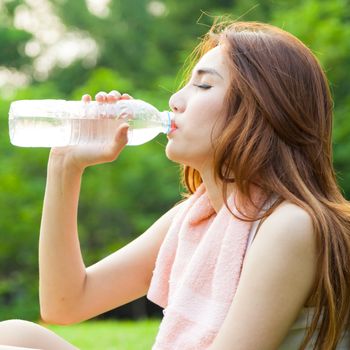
{"x": 203, "y": 86}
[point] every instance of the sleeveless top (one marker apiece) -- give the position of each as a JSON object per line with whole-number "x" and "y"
{"x": 298, "y": 330}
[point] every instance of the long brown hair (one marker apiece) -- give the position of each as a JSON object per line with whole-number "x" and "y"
{"x": 277, "y": 135}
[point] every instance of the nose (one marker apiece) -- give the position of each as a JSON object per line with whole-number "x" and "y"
{"x": 177, "y": 102}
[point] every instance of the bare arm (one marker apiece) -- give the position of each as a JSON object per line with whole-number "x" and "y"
{"x": 61, "y": 267}
{"x": 276, "y": 280}
{"x": 70, "y": 292}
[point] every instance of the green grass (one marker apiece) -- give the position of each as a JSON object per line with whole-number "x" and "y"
{"x": 110, "y": 335}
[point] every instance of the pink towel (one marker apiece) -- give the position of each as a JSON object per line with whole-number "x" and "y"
{"x": 197, "y": 272}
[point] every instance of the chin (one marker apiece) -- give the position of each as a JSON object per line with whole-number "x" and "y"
{"x": 187, "y": 155}
{"x": 175, "y": 154}
{"x": 171, "y": 154}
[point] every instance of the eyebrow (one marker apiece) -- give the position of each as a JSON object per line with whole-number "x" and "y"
{"x": 211, "y": 71}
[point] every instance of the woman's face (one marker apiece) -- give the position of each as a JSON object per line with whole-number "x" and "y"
{"x": 199, "y": 112}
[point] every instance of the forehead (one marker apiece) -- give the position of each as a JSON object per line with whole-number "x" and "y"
{"x": 214, "y": 58}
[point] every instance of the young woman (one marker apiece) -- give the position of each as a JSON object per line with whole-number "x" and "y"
{"x": 258, "y": 256}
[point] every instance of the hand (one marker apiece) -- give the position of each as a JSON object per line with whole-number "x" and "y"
{"x": 82, "y": 156}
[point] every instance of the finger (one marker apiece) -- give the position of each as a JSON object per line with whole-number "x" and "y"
{"x": 101, "y": 97}
{"x": 126, "y": 97}
{"x": 86, "y": 98}
{"x": 124, "y": 134}
{"x": 113, "y": 96}
{"x": 121, "y": 139}
{"x": 123, "y": 130}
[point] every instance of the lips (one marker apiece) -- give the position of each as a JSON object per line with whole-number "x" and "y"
{"x": 173, "y": 127}
{"x": 171, "y": 133}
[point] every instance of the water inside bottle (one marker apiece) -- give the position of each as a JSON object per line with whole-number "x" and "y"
{"x": 142, "y": 131}
{"x": 56, "y": 132}
{"x": 39, "y": 131}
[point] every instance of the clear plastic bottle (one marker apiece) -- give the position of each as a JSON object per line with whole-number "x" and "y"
{"x": 57, "y": 123}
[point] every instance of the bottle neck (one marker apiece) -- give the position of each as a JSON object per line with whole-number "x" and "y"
{"x": 167, "y": 117}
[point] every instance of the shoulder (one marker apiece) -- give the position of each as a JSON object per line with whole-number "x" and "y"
{"x": 283, "y": 257}
{"x": 288, "y": 212}
{"x": 286, "y": 238}
{"x": 276, "y": 280}
{"x": 288, "y": 226}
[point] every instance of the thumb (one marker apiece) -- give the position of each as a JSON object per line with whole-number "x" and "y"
{"x": 121, "y": 137}
{"x": 119, "y": 142}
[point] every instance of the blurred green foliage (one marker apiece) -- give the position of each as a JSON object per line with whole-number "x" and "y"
{"x": 142, "y": 45}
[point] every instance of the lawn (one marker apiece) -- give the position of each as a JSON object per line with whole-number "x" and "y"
{"x": 110, "y": 335}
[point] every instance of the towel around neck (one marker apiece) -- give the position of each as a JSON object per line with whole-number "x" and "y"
{"x": 197, "y": 272}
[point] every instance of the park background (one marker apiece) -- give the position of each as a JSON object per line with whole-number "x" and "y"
{"x": 63, "y": 49}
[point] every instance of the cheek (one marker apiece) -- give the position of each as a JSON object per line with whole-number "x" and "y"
{"x": 193, "y": 143}
{"x": 210, "y": 128}
{"x": 202, "y": 118}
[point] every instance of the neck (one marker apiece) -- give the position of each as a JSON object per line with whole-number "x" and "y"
{"x": 214, "y": 189}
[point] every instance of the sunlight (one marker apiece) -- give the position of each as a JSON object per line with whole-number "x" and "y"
{"x": 11, "y": 80}
{"x": 99, "y": 8}
{"x": 53, "y": 44}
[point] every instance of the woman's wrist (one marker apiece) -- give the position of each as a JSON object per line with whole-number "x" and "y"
{"x": 63, "y": 162}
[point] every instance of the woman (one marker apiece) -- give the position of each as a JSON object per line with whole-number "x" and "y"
{"x": 257, "y": 257}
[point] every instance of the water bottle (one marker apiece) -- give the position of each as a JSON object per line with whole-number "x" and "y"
{"x": 57, "y": 123}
